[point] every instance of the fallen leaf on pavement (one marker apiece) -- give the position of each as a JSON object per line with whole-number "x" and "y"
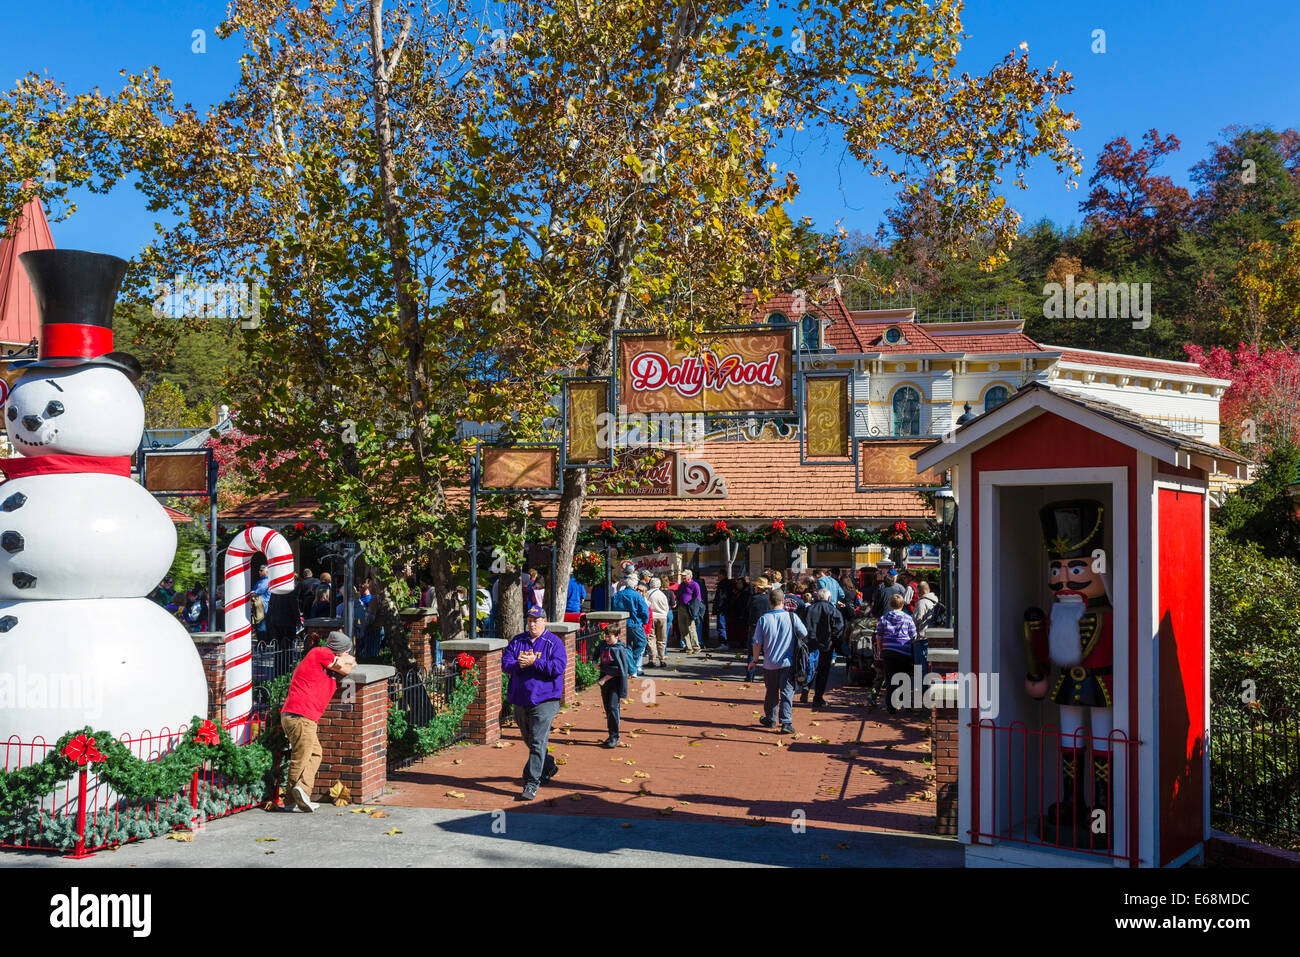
{"x": 561, "y": 760}
{"x": 684, "y": 802}
{"x": 379, "y": 814}
{"x": 721, "y": 735}
{"x": 268, "y": 852}
{"x": 693, "y": 744}
{"x": 259, "y": 840}
{"x": 501, "y": 744}
{"x": 642, "y": 774}
{"x": 457, "y": 760}
{"x": 454, "y": 794}
{"x": 869, "y": 771}
{"x": 391, "y": 831}
{"x": 679, "y": 756}
{"x": 629, "y": 762}
{"x": 624, "y": 744}
{"x": 633, "y": 734}
{"x": 188, "y": 836}
{"x": 624, "y": 780}
{"x": 362, "y": 810}
{"x": 706, "y": 765}
{"x": 340, "y": 794}
{"x": 665, "y": 810}
{"x": 816, "y": 724}
{"x": 642, "y": 730}
{"x": 765, "y": 753}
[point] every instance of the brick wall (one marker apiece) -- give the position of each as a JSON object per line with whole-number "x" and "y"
{"x": 354, "y": 741}
{"x": 943, "y": 746}
{"x": 211, "y": 647}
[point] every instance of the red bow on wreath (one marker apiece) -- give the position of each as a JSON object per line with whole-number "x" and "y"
{"x": 551, "y": 525}
{"x": 82, "y": 750}
{"x": 207, "y": 733}
{"x": 465, "y": 661}
{"x": 841, "y": 527}
{"x": 607, "y": 527}
{"x": 778, "y": 526}
{"x": 721, "y": 526}
{"x": 661, "y": 526}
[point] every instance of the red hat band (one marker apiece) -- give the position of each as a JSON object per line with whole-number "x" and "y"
{"x": 67, "y": 340}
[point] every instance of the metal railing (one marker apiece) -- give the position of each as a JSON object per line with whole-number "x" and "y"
{"x": 1255, "y": 777}
{"x": 1031, "y": 805}
{"x": 421, "y": 697}
{"x": 84, "y": 814}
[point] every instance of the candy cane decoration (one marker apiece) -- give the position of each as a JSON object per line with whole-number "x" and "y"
{"x": 239, "y": 631}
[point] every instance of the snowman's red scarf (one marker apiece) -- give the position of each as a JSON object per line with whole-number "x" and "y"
{"x": 66, "y": 465}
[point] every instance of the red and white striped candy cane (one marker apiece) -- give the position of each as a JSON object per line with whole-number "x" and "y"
{"x": 239, "y": 632}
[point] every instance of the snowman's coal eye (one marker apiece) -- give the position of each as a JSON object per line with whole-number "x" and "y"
{"x": 54, "y": 408}
{"x": 13, "y": 414}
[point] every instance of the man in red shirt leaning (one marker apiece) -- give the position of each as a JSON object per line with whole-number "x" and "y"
{"x": 310, "y": 690}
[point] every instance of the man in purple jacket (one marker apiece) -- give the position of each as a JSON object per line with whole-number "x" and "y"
{"x": 535, "y": 662}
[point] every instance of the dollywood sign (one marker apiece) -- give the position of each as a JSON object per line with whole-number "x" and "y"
{"x": 733, "y": 372}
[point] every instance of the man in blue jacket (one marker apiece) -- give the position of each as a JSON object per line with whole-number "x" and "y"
{"x": 573, "y": 600}
{"x": 535, "y": 662}
{"x": 629, "y": 599}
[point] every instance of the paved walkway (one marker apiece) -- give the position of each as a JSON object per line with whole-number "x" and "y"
{"x": 695, "y": 752}
{"x": 429, "y": 837}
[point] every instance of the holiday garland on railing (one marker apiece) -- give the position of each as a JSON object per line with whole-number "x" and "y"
{"x": 407, "y": 740}
{"x": 133, "y": 778}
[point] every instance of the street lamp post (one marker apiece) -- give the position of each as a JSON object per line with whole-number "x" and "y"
{"x": 945, "y": 510}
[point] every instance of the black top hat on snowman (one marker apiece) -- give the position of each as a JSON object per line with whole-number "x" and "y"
{"x": 75, "y": 292}
{"x": 1072, "y": 529}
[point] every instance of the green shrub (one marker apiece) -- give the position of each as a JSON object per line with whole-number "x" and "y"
{"x": 585, "y": 674}
{"x": 1254, "y": 617}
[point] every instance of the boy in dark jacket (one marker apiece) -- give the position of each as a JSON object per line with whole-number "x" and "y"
{"x": 614, "y": 669}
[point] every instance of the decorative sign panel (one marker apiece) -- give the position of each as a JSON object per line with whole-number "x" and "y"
{"x": 826, "y": 412}
{"x": 587, "y": 412}
{"x": 731, "y": 372}
{"x": 890, "y": 462}
{"x": 520, "y": 468}
{"x": 637, "y": 472}
{"x": 176, "y": 472}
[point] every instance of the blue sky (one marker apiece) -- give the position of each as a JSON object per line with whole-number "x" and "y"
{"x": 1183, "y": 68}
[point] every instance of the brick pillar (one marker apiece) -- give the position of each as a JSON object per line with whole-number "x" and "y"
{"x": 211, "y": 646}
{"x": 354, "y": 737}
{"x": 943, "y": 748}
{"x": 417, "y": 622}
{"x": 567, "y": 631}
{"x": 482, "y": 720}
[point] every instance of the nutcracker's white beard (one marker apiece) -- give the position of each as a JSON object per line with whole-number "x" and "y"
{"x": 1063, "y": 640}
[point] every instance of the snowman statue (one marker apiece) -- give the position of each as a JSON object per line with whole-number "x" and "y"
{"x": 81, "y": 544}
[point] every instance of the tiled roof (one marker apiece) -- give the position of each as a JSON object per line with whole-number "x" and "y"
{"x": 992, "y": 342}
{"x": 1167, "y": 366}
{"x": 20, "y": 320}
{"x": 764, "y": 481}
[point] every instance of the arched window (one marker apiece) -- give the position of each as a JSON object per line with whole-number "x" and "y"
{"x": 907, "y": 411}
{"x": 995, "y": 396}
{"x": 776, "y": 318}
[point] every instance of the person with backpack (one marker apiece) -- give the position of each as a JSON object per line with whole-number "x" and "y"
{"x": 881, "y": 606}
{"x": 778, "y": 636}
{"x": 825, "y": 623}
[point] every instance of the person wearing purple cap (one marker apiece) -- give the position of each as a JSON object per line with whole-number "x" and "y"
{"x": 535, "y": 661}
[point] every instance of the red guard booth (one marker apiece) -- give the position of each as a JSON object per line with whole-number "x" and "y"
{"x": 1128, "y": 785}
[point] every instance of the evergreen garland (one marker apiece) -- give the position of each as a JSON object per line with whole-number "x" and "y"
{"x": 662, "y": 537}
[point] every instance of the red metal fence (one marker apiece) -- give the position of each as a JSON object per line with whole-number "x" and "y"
{"x": 1032, "y": 803}
{"x": 83, "y": 815}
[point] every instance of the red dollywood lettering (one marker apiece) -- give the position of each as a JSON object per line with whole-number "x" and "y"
{"x": 651, "y": 371}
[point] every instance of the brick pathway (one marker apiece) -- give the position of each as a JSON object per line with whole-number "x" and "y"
{"x": 694, "y": 751}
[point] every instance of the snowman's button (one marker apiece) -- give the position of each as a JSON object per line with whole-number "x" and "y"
{"x": 7, "y": 622}
{"x": 24, "y": 580}
{"x": 15, "y": 501}
{"x": 11, "y": 542}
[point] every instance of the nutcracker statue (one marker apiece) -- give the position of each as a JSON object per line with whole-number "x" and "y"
{"x": 1075, "y": 638}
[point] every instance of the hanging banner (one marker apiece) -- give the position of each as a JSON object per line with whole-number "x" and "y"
{"x": 748, "y": 371}
{"x": 889, "y": 463}
{"x": 637, "y": 472}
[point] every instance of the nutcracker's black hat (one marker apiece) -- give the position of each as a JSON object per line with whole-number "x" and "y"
{"x": 75, "y": 292}
{"x": 1072, "y": 529}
